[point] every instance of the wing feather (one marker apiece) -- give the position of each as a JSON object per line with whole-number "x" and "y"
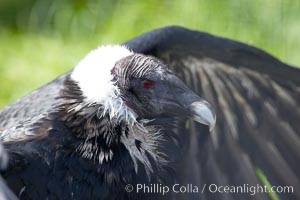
{"x": 256, "y": 98}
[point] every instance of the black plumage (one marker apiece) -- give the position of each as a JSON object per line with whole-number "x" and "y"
{"x": 255, "y": 96}
{"x": 5, "y": 192}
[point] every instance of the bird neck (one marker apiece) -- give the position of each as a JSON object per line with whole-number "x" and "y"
{"x": 107, "y": 140}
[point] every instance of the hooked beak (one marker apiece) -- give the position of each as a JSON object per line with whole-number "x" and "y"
{"x": 190, "y": 104}
{"x": 202, "y": 112}
{"x": 174, "y": 98}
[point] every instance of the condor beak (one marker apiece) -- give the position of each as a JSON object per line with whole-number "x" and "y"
{"x": 177, "y": 99}
{"x": 202, "y": 112}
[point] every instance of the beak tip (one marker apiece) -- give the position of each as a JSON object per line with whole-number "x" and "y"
{"x": 212, "y": 125}
{"x": 204, "y": 113}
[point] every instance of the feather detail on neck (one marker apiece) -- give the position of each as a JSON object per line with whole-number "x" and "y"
{"x": 93, "y": 75}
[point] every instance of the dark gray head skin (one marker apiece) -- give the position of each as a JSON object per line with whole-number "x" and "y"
{"x": 151, "y": 90}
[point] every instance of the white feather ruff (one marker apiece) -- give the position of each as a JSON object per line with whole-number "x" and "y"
{"x": 93, "y": 76}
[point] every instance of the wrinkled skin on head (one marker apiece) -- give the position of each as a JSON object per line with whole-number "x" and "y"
{"x": 151, "y": 90}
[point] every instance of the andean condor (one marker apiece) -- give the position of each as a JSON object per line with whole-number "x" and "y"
{"x": 121, "y": 117}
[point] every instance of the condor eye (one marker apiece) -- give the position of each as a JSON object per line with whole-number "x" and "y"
{"x": 148, "y": 84}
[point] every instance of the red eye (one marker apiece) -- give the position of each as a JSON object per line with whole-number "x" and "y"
{"x": 148, "y": 84}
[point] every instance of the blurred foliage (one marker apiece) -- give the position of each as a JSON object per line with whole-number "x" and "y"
{"x": 41, "y": 39}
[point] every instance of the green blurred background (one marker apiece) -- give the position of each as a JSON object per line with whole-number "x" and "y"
{"x": 41, "y": 39}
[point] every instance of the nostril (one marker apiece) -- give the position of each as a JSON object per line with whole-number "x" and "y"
{"x": 178, "y": 90}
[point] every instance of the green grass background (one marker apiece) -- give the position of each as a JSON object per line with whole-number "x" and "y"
{"x": 41, "y": 39}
